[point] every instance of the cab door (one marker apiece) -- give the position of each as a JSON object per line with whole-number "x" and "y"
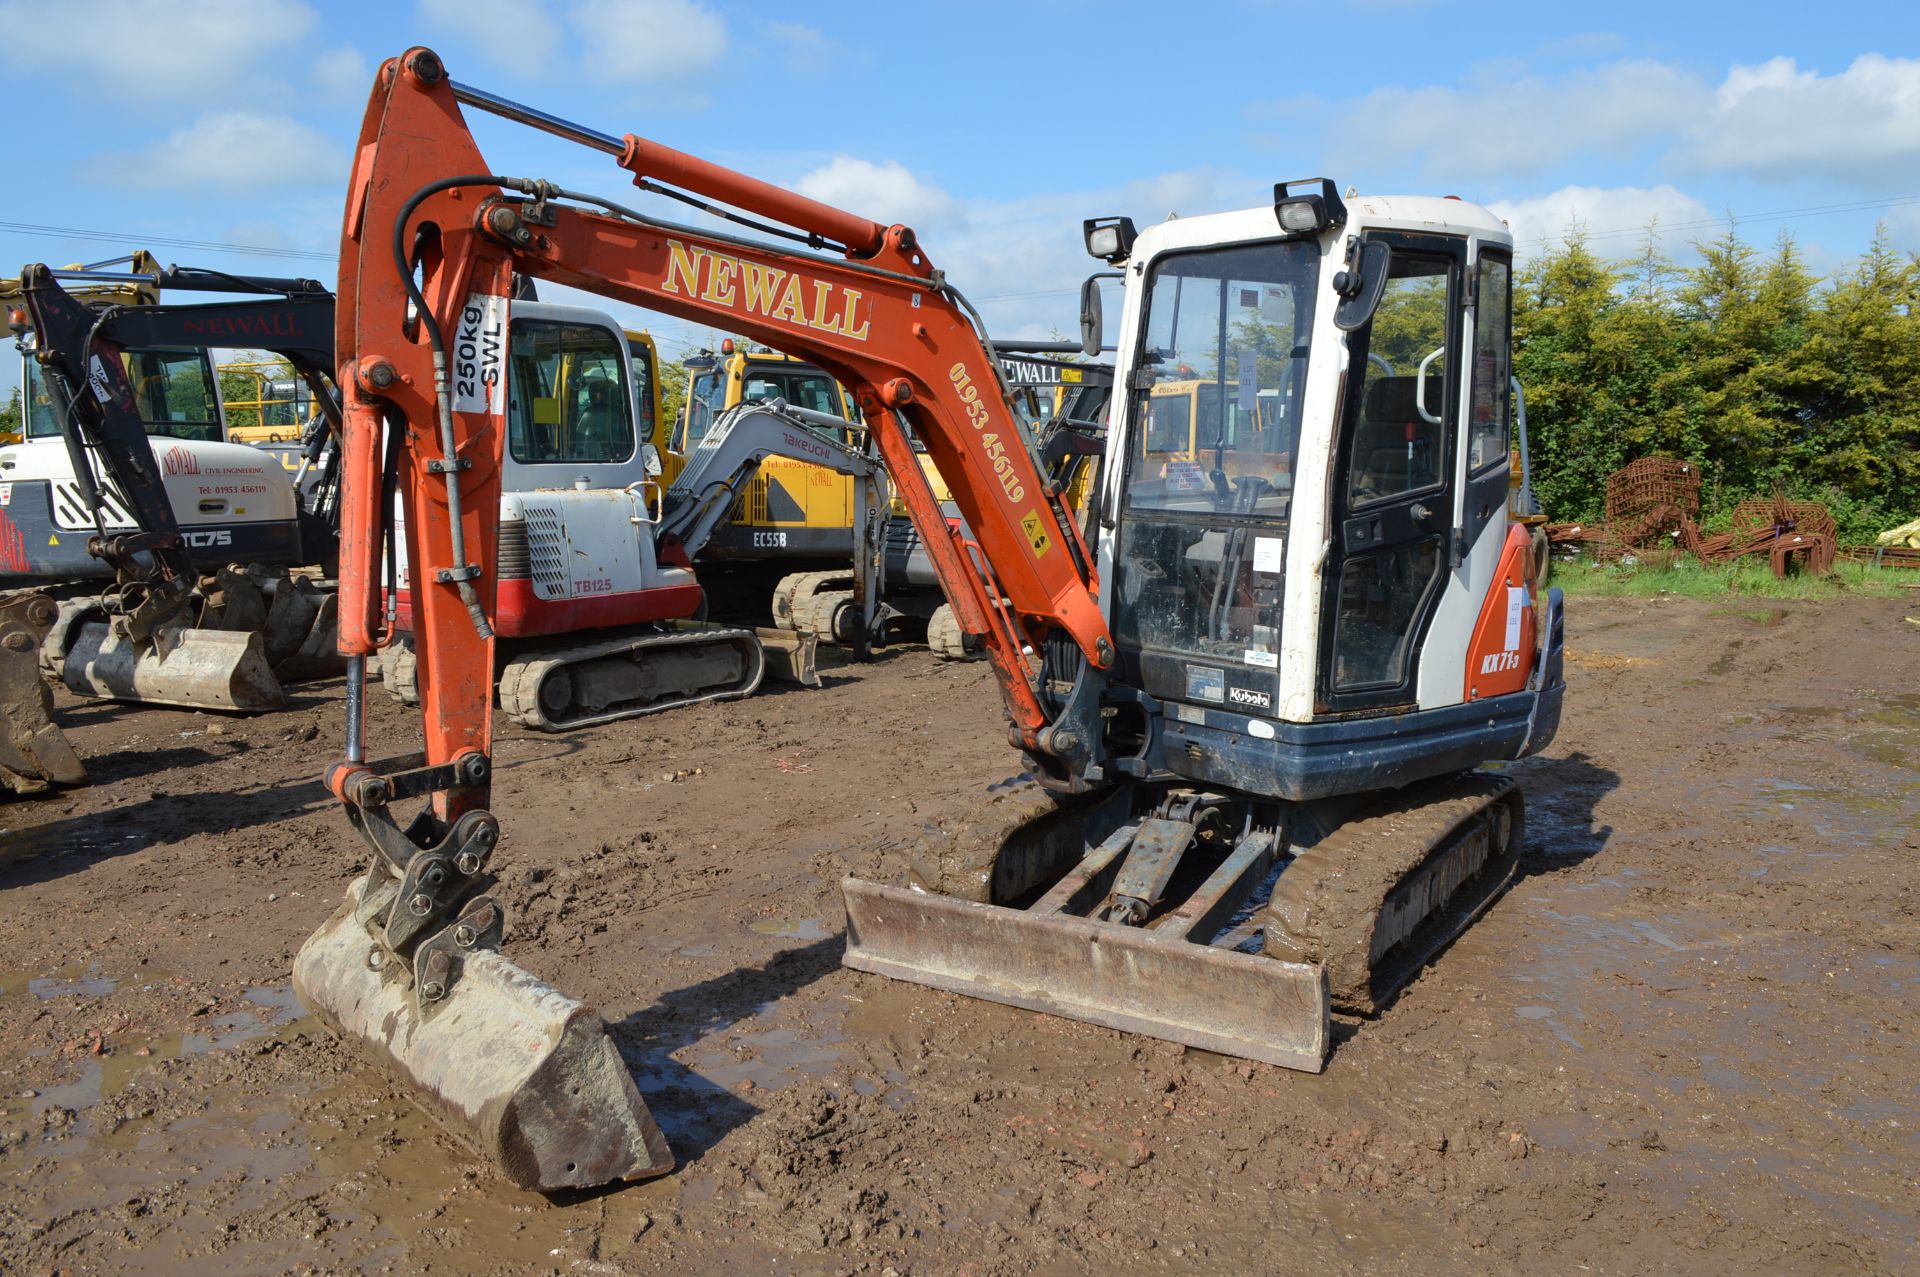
{"x": 1393, "y": 489}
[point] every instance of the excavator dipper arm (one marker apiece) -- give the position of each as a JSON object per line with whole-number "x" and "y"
{"x": 432, "y": 240}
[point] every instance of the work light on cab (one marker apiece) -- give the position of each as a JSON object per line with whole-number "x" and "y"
{"x": 1109, "y": 238}
{"x": 1308, "y": 206}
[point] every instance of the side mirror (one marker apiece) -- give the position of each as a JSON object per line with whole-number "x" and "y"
{"x": 1361, "y": 284}
{"x": 1091, "y": 318}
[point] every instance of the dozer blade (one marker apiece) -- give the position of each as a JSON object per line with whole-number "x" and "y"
{"x": 517, "y": 1069}
{"x": 1128, "y": 978}
{"x": 205, "y": 669}
{"x": 791, "y": 656}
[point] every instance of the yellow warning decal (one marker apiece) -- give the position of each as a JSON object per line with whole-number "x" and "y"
{"x": 1072, "y": 375}
{"x": 1036, "y": 535}
{"x": 52, "y": 540}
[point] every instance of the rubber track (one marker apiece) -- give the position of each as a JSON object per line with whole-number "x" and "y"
{"x": 520, "y": 681}
{"x": 793, "y": 596}
{"x": 1328, "y": 903}
{"x": 945, "y": 638}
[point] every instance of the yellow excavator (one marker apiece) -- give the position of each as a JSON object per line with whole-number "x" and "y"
{"x": 798, "y": 517}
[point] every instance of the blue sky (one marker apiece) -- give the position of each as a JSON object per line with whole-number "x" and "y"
{"x": 991, "y": 127}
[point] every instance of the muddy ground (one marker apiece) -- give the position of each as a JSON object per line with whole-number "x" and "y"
{"x": 1684, "y": 1042}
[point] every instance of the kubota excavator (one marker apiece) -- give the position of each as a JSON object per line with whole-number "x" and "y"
{"x": 1298, "y": 645}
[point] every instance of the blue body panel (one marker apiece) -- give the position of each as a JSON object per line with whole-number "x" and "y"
{"x": 1303, "y": 761}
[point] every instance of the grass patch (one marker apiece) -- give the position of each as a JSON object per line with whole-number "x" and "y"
{"x": 1749, "y": 578}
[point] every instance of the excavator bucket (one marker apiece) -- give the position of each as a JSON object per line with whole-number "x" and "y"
{"x": 201, "y": 669}
{"x": 520, "y": 1071}
{"x": 791, "y": 657}
{"x": 33, "y": 753}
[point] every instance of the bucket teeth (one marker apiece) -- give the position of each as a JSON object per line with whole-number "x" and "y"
{"x": 525, "y": 1074}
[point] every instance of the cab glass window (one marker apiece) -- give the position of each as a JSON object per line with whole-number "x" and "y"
{"x": 567, "y": 397}
{"x": 814, "y": 391}
{"x": 706, "y": 399}
{"x": 1226, "y": 338}
{"x": 1492, "y": 365}
{"x": 641, "y": 366}
{"x": 1399, "y": 438}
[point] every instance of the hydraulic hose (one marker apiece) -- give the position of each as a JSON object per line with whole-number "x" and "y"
{"x": 461, "y": 572}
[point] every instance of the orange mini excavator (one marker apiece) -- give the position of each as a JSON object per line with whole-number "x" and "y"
{"x": 1250, "y": 702}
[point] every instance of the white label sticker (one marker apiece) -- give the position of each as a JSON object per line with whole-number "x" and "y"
{"x": 6, "y": 494}
{"x": 1265, "y": 660}
{"x": 97, "y": 379}
{"x": 1260, "y": 727}
{"x": 1204, "y": 683}
{"x": 1516, "y": 608}
{"x": 1249, "y": 373}
{"x": 480, "y": 356}
{"x": 1269, "y": 554}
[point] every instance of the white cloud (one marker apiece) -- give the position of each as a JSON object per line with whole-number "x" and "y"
{"x": 804, "y": 48}
{"x": 885, "y": 192}
{"x": 140, "y": 48}
{"x": 1775, "y": 120}
{"x": 1019, "y": 260}
{"x": 231, "y": 150}
{"x": 343, "y": 74}
{"x": 1614, "y": 220}
{"x": 522, "y": 36}
{"x": 647, "y": 41}
{"x": 1523, "y": 125}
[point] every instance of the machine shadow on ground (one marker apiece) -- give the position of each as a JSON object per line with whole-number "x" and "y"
{"x": 1563, "y": 795}
{"x": 695, "y": 1112}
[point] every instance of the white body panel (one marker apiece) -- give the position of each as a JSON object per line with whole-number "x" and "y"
{"x": 207, "y": 483}
{"x": 588, "y": 528}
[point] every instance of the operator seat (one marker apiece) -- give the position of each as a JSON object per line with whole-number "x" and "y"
{"x": 1390, "y": 420}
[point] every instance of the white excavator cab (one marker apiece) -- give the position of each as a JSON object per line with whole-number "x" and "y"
{"x": 1308, "y": 498}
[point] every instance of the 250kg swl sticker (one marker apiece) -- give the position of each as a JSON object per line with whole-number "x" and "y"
{"x": 479, "y": 355}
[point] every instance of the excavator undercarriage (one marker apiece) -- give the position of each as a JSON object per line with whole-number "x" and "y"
{"x": 1206, "y": 920}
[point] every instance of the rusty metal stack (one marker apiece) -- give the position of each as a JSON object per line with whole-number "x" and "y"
{"x": 1653, "y": 508}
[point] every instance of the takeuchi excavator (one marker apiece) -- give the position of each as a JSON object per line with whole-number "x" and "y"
{"x": 1251, "y": 705}
{"x": 197, "y": 533}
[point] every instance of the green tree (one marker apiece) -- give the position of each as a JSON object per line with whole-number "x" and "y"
{"x": 11, "y": 415}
